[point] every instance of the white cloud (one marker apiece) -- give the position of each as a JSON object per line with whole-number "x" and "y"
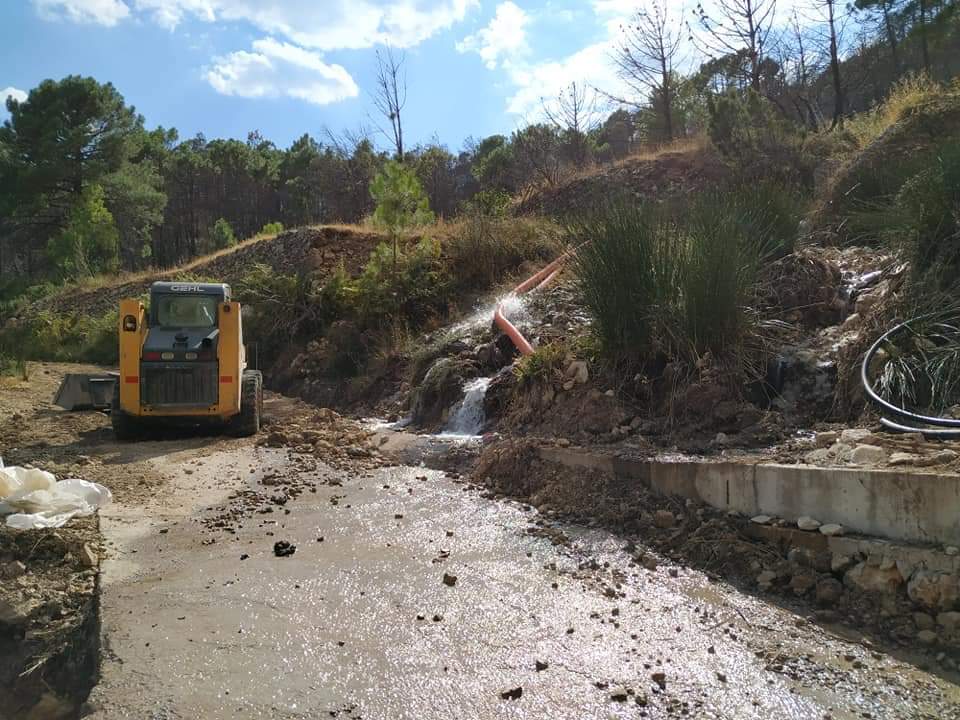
{"x": 10, "y": 91}
{"x": 276, "y": 69}
{"x": 503, "y": 39}
{"x": 544, "y": 81}
{"x": 326, "y": 25}
{"x": 100, "y": 12}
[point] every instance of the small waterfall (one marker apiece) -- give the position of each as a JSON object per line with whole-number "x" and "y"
{"x": 467, "y": 417}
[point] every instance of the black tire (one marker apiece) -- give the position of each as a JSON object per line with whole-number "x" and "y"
{"x": 124, "y": 426}
{"x": 247, "y": 423}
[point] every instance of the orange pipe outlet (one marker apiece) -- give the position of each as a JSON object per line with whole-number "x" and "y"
{"x": 531, "y": 284}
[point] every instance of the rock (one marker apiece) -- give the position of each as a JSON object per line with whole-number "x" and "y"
{"x": 283, "y": 549}
{"x": 875, "y": 579}
{"x": 512, "y": 693}
{"x": 766, "y": 578}
{"x": 826, "y": 439}
{"x": 949, "y": 621}
{"x": 927, "y": 637}
{"x": 761, "y": 519}
{"x": 839, "y": 564}
{"x": 951, "y": 550}
{"x": 13, "y": 570}
{"x": 726, "y": 410}
{"x": 663, "y": 519}
{"x": 441, "y": 388}
{"x": 449, "y": 580}
{"x": 541, "y": 665}
{"x": 801, "y": 584}
{"x": 721, "y": 439}
{"x": 609, "y": 393}
{"x": 828, "y": 591}
{"x": 819, "y": 456}
{"x": 868, "y": 455}
{"x": 568, "y": 385}
{"x": 934, "y": 591}
{"x": 88, "y": 558}
{"x": 11, "y": 614}
{"x": 660, "y": 679}
{"x": 943, "y": 457}
{"x": 578, "y": 372}
{"x": 898, "y": 459}
{"x": 832, "y": 529}
{"x": 618, "y": 693}
{"x": 649, "y": 562}
{"x": 855, "y": 436}
{"x": 805, "y": 522}
{"x": 923, "y": 621}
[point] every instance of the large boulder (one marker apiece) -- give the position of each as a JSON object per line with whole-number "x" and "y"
{"x": 934, "y": 591}
{"x": 874, "y": 579}
{"x": 442, "y": 387}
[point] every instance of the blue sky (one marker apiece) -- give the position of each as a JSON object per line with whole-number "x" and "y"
{"x": 285, "y": 67}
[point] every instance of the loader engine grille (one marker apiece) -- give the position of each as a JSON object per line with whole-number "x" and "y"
{"x": 179, "y": 383}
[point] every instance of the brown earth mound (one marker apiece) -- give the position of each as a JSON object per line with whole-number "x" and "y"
{"x": 310, "y": 249}
{"x": 663, "y": 176}
{"x": 913, "y": 138}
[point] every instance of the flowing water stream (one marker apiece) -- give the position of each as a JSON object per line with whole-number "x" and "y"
{"x": 467, "y": 417}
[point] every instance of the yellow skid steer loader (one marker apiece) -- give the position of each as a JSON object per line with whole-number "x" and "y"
{"x": 183, "y": 361}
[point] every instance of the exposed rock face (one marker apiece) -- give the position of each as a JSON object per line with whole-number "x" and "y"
{"x": 440, "y": 390}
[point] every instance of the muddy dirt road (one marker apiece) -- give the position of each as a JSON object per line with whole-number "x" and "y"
{"x": 408, "y": 594}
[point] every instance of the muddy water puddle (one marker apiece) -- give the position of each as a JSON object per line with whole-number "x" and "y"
{"x": 360, "y": 622}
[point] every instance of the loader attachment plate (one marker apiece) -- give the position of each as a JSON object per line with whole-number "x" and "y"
{"x": 80, "y": 391}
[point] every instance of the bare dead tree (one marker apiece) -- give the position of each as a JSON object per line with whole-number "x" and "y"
{"x": 830, "y": 22}
{"x": 575, "y": 113}
{"x": 838, "y": 100}
{"x": 801, "y": 63}
{"x": 645, "y": 58}
{"x": 737, "y": 26}
{"x": 390, "y": 96}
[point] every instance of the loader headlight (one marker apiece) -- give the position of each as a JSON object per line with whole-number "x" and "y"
{"x": 190, "y": 356}
{"x": 166, "y": 356}
{"x": 129, "y": 323}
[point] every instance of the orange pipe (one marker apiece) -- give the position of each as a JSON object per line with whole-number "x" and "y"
{"x": 531, "y": 284}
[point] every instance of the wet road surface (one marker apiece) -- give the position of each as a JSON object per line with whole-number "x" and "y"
{"x": 361, "y": 624}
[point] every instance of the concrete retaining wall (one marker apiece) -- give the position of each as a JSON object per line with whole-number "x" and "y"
{"x": 913, "y": 507}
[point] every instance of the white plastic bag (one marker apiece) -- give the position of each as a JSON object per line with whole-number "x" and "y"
{"x": 34, "y": 499}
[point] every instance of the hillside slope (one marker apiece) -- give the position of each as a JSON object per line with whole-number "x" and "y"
{"x": 690, "y": 167}
{"x": 315, "y": 249}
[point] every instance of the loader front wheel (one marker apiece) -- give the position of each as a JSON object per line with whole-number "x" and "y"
{"x": 247, "y": 423}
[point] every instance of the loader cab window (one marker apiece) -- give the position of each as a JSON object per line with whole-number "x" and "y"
{"x": 186, "y": 311}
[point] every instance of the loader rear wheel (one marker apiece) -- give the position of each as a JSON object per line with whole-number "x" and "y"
{"x": 247, "y": 423}
{"x": 124, "y": 426}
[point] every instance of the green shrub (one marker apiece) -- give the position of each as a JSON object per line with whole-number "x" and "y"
{"x": 681, "y": 281}
{"x": 67, "y": 337}
{"x": 756, "y": 140}
{"x": 221, "y": 235}
{"x": 278, "y": 308}
{"x": 413, "y": 285}
{"x": 271, "y": 228}
{"x": 485, "y": 246}
{"x": 917, "y": 212}
{"x": 546, "y": 364}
